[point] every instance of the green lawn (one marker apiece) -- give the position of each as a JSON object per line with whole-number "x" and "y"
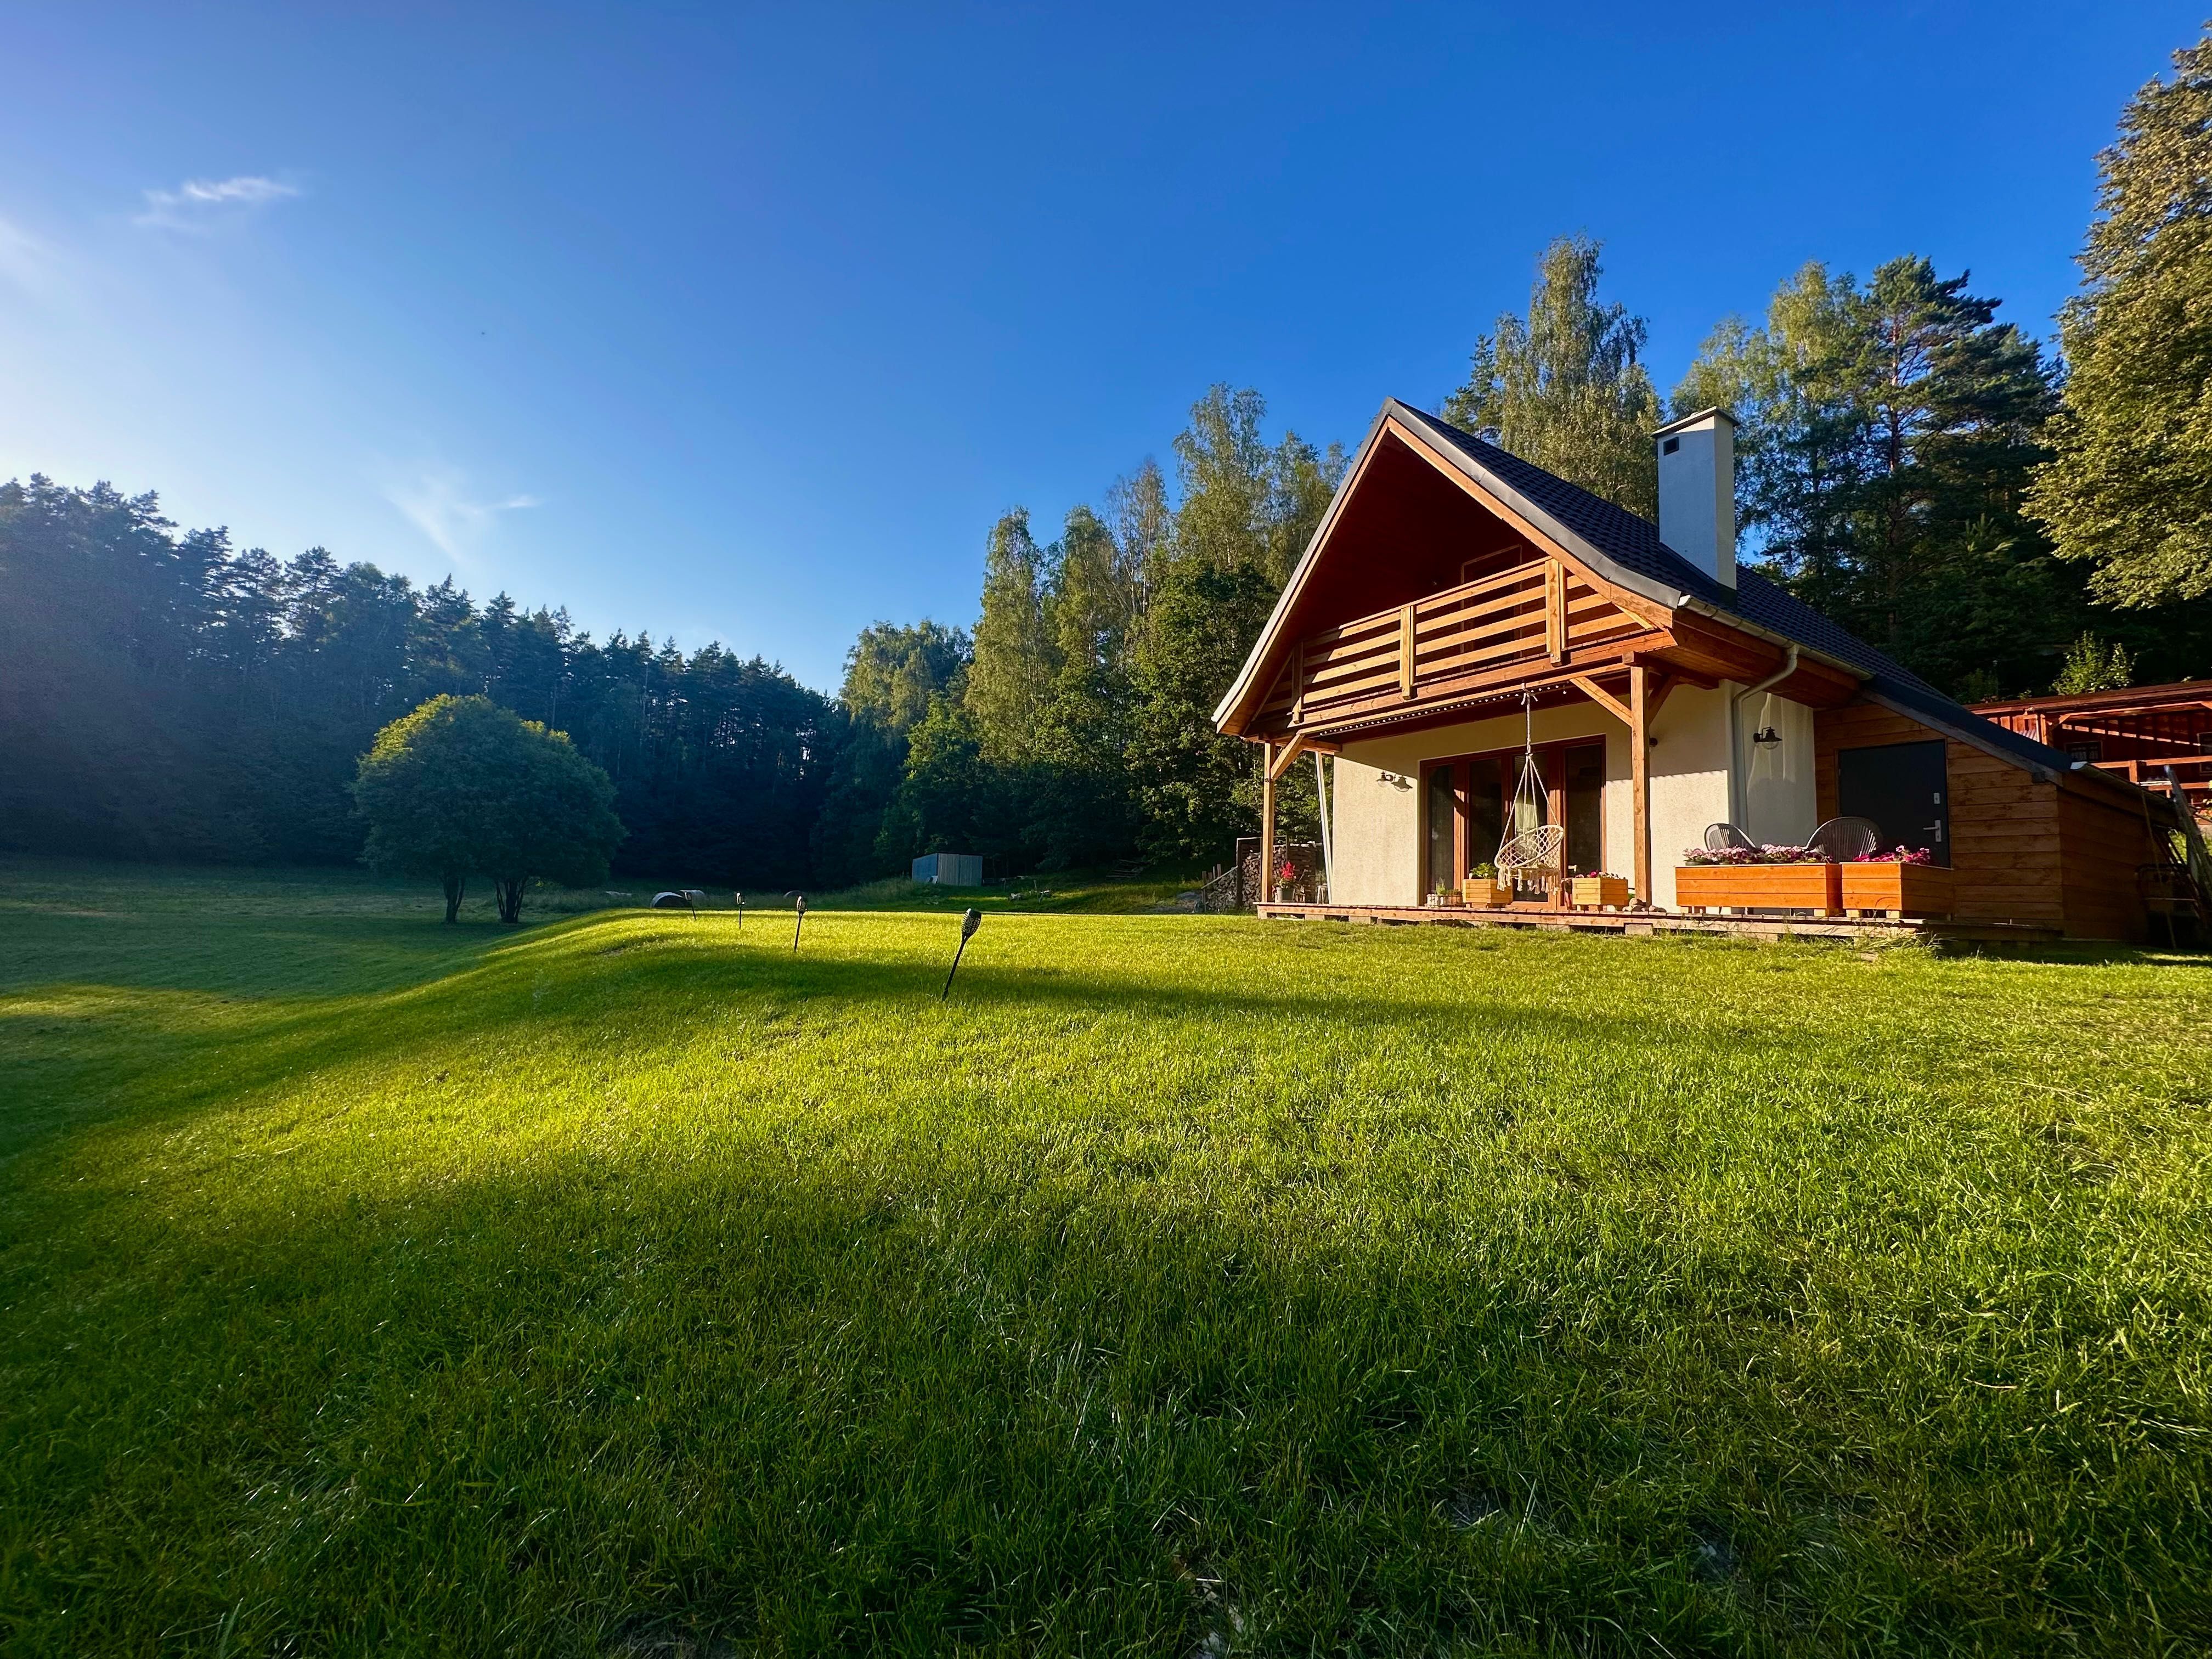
{"x": 629, "y": 1284}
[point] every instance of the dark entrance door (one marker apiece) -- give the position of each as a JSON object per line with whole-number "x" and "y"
{"x": 1903, "y": 787}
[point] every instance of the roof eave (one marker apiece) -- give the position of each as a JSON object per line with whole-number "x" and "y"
{"x": 1241, "y": 686}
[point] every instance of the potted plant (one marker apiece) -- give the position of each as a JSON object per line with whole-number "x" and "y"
{"x": 1905, "y": 881}
{"x": 1482, "y": 890}
{"x": 1284, "y": 877}
{"x": 1758, "y": 879}
{"x": 1600, "y": 891}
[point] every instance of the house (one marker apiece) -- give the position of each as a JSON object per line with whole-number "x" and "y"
{"x": 1458, "y": 606}
{"x": 2143, "y": 733}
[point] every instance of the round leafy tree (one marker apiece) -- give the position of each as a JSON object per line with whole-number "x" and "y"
{"x": 462, "y": 786}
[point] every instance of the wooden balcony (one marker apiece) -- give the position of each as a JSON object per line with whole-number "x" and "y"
{"x": 2192, "y": 772}
{"x": 1527, "y": 620}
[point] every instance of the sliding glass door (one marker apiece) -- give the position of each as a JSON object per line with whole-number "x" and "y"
{"x": 1469, "y": 809}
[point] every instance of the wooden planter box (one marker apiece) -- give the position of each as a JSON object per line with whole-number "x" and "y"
{"x": 1815, "y": 887}
{"x": 1484, "y": 895}
{"x": 1898, "y": 890}
{"x": 1594, "y": 892}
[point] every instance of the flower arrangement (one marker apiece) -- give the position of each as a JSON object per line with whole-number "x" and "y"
{"x": 1750, "y": 855}
{"x": 1484, "y": 872}
{"x": 1898, "y": 855}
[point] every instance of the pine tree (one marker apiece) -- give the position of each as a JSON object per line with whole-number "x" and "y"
{"x": 1889, "y": 435}
{"x": 1564, "y": 387}
{"x": 1247, "y": 513}
{"x": 2130, "y": 491}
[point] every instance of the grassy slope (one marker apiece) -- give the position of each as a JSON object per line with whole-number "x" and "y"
{"x": 1184, "y": 1281}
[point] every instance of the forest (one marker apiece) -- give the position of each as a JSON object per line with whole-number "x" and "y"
{"x": 2002, "y": 515}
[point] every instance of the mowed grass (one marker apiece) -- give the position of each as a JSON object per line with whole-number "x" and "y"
{"x": 630, "y": 1284}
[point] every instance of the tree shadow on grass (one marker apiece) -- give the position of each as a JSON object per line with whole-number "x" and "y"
{"x": 888, "y": 1406}
{"x": 575, "y": 997}
{"x": 995, "y": 1356}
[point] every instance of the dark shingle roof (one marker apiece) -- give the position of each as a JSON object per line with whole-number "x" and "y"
{"x": 1628, "y": 549}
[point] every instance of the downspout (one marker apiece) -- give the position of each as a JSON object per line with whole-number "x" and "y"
{"x": 1328, "y": 854}
{"x": 1735, "y": 749}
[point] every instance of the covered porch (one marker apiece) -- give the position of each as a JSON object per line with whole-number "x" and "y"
{"x": 1631, "y": 759}
{"x": 1634, "y": 924}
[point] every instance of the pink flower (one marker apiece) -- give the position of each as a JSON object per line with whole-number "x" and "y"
{"x": 1899, "y": 856}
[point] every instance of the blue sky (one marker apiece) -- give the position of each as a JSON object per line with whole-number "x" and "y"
{"x": 744, "y": 323}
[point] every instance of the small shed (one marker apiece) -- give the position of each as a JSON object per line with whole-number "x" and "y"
{"x": 951, "y": 869}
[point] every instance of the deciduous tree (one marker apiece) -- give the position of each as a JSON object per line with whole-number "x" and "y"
{"x": 1564, "y": 387}
{"x": 462, "y": 786}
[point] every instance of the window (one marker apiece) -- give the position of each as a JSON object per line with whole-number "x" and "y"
{"x": 1585, "y": 808}
{"x": 2204, "y": 743}
{"x": 1465, "y": 803}
{"x": 1442, "y": 813}
{"x": 1486, "y": 809}
{"x": 2090, "y": 751}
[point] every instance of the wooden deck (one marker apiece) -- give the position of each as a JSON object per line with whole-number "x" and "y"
{"x": 1644, "y": 923}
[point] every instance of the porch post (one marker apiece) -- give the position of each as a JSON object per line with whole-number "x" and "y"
{"x": 1266, "y": 822}
{"x": 1639, "y": 775}
{"x": 1327, "y": 846}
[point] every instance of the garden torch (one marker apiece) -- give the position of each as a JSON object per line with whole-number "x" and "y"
{"x": 800, "y": 899}
{"x": 971, "y": 920}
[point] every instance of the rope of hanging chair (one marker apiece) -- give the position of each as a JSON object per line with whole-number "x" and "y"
{"x": 1530, "y": 844}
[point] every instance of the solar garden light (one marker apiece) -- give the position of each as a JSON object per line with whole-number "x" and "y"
{"x": 971, "y": 920}
{"x": 800, "y": 923}
{"x": 740, "y": 898}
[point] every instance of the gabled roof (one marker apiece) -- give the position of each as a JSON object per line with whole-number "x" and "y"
{"x": 1625, "y": 549}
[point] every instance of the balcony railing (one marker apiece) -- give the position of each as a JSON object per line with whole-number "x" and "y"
{"x": 1529, "y": 616}
{"x": 2192, "y": 772}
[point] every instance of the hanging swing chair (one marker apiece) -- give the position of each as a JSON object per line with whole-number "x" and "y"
{"x": 1529, "y": 856}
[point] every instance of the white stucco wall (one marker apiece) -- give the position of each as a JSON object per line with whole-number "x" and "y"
{"x": 1779, "y": 804}
{"x": 1378, "y": 821}
{"x": 1689, "y": 778}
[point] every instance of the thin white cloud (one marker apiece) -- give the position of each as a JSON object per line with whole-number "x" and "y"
{"x": 25, "y": 260}
{"x": 194, "y": 204}
{"x": 436, "y": 502}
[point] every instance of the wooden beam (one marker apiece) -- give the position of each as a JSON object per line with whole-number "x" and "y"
{"x": 1639, "y": 775}
{"x": 1654, "y": 695}
{"x": 1406, "y": 652}
{"x": 1300, "y": 743}
{"x": 1268, "y": 822}
{"x": 1510, "y": 679}
{"x": 1604, "y": 699}
{"x": 1298, "y": 684}
{"x": 1555, "y": 609}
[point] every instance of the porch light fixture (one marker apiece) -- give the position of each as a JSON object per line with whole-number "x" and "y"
{"x": 1770, "y": 735}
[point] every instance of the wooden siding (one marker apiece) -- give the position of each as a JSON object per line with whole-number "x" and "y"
{"x": 2006, "y": 848}
{"x": 2102, "y": 845}
{"x": 2022, "y": 850}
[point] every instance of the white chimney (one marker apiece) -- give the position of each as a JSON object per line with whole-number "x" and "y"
{"x": 1697, "y": 490}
